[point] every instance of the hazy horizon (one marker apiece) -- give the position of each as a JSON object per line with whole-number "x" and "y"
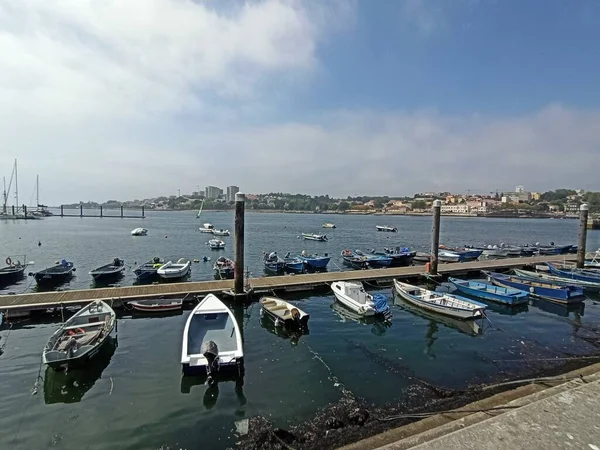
{"x": 137, "y": 99}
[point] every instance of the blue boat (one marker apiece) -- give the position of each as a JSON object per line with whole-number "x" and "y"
{"x": 314, "y": 261}
{"x": 353, "y": 260}
{"x": 294, "y": 264}
{"x": 590, "y": 276}
{"x": 147, "y": 272}
{"x": 553, "y": 249}
{"x": 464, "y": 254}
{"x": 508, "y": 296}
{"x": 545, "y": 290}
{"x": 273, "y": 263}
{"x": 401, "y": 256}
{"x": 379, "y": 260}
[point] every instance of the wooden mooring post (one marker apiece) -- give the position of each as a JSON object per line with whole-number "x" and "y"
{"x": 238, "y": 280}
{"x": 435, "y": 237}
{"x": 583, "y": 221}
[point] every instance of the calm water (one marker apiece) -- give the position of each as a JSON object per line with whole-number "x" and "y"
{"x": 134, "y": 396}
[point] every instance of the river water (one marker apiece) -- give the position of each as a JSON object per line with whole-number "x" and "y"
{"x": 134, "y": 396}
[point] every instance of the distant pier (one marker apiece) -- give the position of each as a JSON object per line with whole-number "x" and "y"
{"x": 101, "y": 213}
{"x": 23, "y": 303}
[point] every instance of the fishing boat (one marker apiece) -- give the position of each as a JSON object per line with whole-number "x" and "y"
{"x": 314, "y": 237}
{"x": 508, "y": 296}
{"x": 224, "y": 268}
{"x": 147, "y": 272}
{"x": 552, "y": 249}
{"x": 139, "y": 232}
{"x": 109, "y": 272}
{"x": 284, "y": 314}
{"x": 354, "y": 296}
{"x": 329, "y": 225}
{"x": 441, "y": 303}
{"x": 212, "y": 342}
{"x": 157, "y": 305}
{"x": 273, "y": 263}
{"x": 293, "y": 264}
{"x": 549, "y": 291}
{"x": 216, "y": 244}
{"x": 376, "y": 260}
{"x": 386, "y": 228}
{"x": 572, "y": 273}
{"x": 401, "y": 256}
{"x": 206, "y": 228}
{"x": 353, "y": 260}
{"x": 221, "y": 232}
{"x": 80, "y": 337}
{"x": 492, "y": 252}
{"x": 422, "y": 257}
{"x": 463, "y": 254}
{"x": 57, "y": 274}
{"x": 549, "y": 278}
{"x": 12, "y": 272}
{"x": 314, "y": 261}
{"x": 175, "y": 271}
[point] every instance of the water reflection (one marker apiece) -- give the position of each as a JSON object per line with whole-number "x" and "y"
{"x": 558, "y": 308}
{"x": 72, "y": 385}
{"x": 283, "y": 332}
{"x": 379, "y": 324}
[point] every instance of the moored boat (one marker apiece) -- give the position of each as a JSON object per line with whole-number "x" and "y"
{"x": 547, "y": 277}
{"x": 508, "y": 296}
{"x": 591, "y": 276}
{"x": 293, "y": 264}
{"x": 353, "y": 260}
{"x": 376, "y": 260}
{"x": 212, "y": 342}
{"x": 284, "y": 313}
{"x": 542, "y": 289}
{"x": 224, "y": 268}
{"x": 157, "y": 305}
{"x": 175, "y": 271}
{"x": 401, "y": 256}
{"x": 314, "y": 261}
{"x": 80, "y": 337}
{"x": 139, "y": 232}
{"x": 147, "y": 272}
{"x": 329, "y": 225}
{"x": 354, "y": 296}
{"x": 273, "y": 263}
{"x": 441, "y": 303}
{"x": 109, "y": 272}
{"x": 206, "y": 228}
{"x": 221, "y": 232}
{"x": 463, "y": 254}
{"x": 314, "y": 237}
{"x": 386, "y": 228}
{"x": 13, "y": 271}
{"x": 216, "y": 244}
{"x": 57, "y": 274}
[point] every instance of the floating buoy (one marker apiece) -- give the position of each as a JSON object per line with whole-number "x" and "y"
{"x": 39, "y": 243}
{"x": 196, "y": 260}
{"x": 166, "y": 236}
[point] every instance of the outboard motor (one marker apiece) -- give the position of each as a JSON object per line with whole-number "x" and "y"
{"x": 211, "y": 353}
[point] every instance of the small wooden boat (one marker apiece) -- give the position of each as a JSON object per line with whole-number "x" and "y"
{"x": 216, "y": 244}
{"x": 354, "y": 296}
{"x": 508, "y": 296}
{"x": 329, "y": 225}
{"x": 546, "y": 290}
{"x": 572, "y": 273}
{"x": 212, "y": 342}
{"x": 109, "y": 272}
{"x": 54, "y": 275}
{"x": 224, "y": 268}
{"x": 80, "y": 337}
{"x": 12, "y": 272}
{"x": 401, "y": 256}
{"x": 376, "y": 259}
{"x": 283, "y": 313}
{"x": 561, "y": 281}
{"x": 386, "y": 228}
{"x": 206, "y": 228}
{"x": 294, "y": 264}
{"x": 148, "y": 271}
{"x": 157, "y": 305}
{"x": 221, "y": 232}
{"x": 175, "y": 271}
{"x": 314, "y": 261}
{"x": 139, "y": 232}
{"x": 273, "y": 263}
{"x": 441, "y": 303}
{"x": 314, "y": 237}
{"x": 353, "y": 260}
{"x": 458, "y": 254}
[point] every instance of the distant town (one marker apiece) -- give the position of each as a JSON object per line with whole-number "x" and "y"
{"x": 518, "y": 203}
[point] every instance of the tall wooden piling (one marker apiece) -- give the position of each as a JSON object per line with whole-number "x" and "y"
{"x": 62, "y": 211}
{"x": 121, "y": 211}
{"x": 583, "y": 220}
{"x": 238, "y": 281}
{"x": 25, "y": 210}
{"x": 13, "y": 209}
{"x": 435, "y": 237}
{"x": 101, "y": 211}
{"x": 143, "y": 212}
{"x": 81, "y": 210}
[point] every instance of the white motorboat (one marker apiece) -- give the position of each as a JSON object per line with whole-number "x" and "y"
{"x": 212, "y": 341}
{"x": 139, "y": 232}
{"x": 80, "y": 337}
{"x": 354, "y": 296}
{"x": 175, "y": 271}
{"x": 221, "y": 232}
{"x": 314, "y": 237}
{"x": 441, "y": 303}
{"x": 216, "y": 244}
{"x": 329, "y": 225}
{"x": 386, "y": 228}
{"x": 283, "y": 313}
{"x": 206, "y": 228}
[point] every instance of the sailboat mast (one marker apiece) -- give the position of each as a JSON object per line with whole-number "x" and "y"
{"x": 37, "y": 191}
{"x": 4, "y": 200}
{"x": 16, "y": 186}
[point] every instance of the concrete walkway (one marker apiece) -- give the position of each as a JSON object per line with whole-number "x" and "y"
{"x": 567, "y": 419}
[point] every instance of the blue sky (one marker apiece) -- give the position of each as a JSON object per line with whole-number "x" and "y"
{"x": 381, "y": 97}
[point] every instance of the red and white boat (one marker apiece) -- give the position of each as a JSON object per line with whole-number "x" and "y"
{"x": 157, "y": 305}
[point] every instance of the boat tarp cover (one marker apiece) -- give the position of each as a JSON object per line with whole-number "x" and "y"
{"x": 380, "y": 302}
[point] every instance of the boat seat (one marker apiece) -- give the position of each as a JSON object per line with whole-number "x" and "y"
{"x": 269, "y": 302}
{"x": 84, "y": 325}
{"x": 277, "y": 308}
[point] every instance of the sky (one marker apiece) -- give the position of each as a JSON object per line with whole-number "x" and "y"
{"x": 107, "y": 99}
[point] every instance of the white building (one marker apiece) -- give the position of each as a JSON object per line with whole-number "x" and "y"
{"x": 213, "y": 192}
{"x": 231, "y": 191}
{"x": 520, "y": 189}
{"x": 455, "y": 208}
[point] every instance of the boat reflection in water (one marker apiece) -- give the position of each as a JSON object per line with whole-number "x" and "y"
{"x": 283, "y": 332}
{"x": 70, "y": 386}
{"x": 211, "y": 394}
{"x": 378, "y": 322}
{"x": 558, "y": 309}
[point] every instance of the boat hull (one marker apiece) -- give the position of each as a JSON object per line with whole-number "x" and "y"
{"x": 55, "y": 279}
{"x": 492, "y": 293}
{"x": 360, "y": 309}
{"x": 560, "y": 294}
{"x": 316, "y": 263}
{"x": 11, "y": 277}
{"x": 156, "y": 306}
{"x": 576, "y": 275}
